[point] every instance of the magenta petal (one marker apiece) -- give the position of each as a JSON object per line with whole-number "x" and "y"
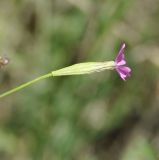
{"x": 123, "y": 76}
{"x": 120, "y": 55}
{"x": 122, "y": 62}
{"x": 123, "y": 71}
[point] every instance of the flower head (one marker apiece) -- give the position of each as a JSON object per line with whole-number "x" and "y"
{"x": 120, "y": 62}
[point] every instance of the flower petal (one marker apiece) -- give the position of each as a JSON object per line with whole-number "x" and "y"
{"x": 123, "y": 71}
{"x": 123, "y": 76}
{"x": 120, "y": 55}
{"x": 121, "y": 63}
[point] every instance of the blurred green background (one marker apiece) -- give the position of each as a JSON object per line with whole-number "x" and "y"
{"x": 88, "y": 117}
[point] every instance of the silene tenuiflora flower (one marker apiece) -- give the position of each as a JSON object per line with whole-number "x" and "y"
{"x": 120, "y": 63}
{"x": 91, "y": 67}
{"x": 81, "y": 68}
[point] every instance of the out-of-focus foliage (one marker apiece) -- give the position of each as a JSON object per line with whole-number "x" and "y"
{"x": 90, "y": 117}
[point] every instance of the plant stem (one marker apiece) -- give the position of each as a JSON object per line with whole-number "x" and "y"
{"x": 25, "y": 85}
{"x": 76, "y": 69}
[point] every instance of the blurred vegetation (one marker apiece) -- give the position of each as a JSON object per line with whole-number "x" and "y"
{"x": 89, "y": 117}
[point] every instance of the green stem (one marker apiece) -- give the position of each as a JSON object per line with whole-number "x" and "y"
{"x": 76, "y": 69}
{"x": 25, "y": 85}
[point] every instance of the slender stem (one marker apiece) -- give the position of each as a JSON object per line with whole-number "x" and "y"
{"x": 76, "y": 69}
{"x": 25, "y": 85}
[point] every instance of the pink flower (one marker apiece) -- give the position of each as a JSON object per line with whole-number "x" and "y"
{"x": 120, "y": 62}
